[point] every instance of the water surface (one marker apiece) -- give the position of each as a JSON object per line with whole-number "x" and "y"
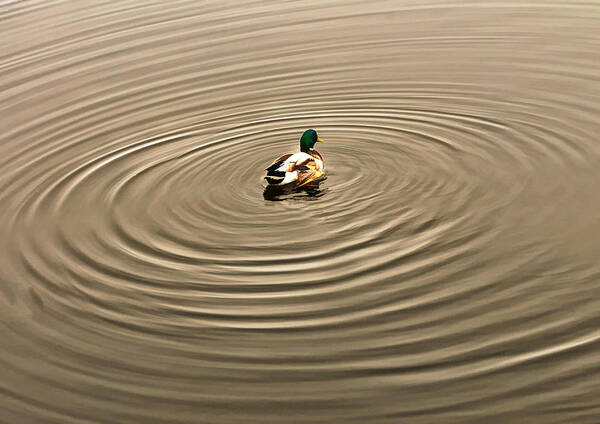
{"x": 446, "y": 271}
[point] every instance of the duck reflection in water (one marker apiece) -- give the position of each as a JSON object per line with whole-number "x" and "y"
{"x": 310, "y": 191}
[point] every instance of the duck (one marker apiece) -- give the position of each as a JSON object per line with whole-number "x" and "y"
{"x": 297, "y": 169}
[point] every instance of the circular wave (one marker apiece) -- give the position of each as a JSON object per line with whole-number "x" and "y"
{"x": 441, "y": 271}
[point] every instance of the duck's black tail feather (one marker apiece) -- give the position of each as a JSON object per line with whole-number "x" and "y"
{"x": 273, "y": 175}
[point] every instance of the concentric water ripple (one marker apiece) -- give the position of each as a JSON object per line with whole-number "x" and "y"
{"x": 446, "y": 270}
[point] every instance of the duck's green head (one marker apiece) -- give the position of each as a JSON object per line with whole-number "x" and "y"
{"x": 308, "y": 140}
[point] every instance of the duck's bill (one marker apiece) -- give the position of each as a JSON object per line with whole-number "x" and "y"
{"x": 320, "y": 139}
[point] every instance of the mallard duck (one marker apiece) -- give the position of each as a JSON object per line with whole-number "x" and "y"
{"x": 298, "y": 169}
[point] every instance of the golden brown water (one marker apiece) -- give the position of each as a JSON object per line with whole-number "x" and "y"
{"x": 447, "y": 271}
